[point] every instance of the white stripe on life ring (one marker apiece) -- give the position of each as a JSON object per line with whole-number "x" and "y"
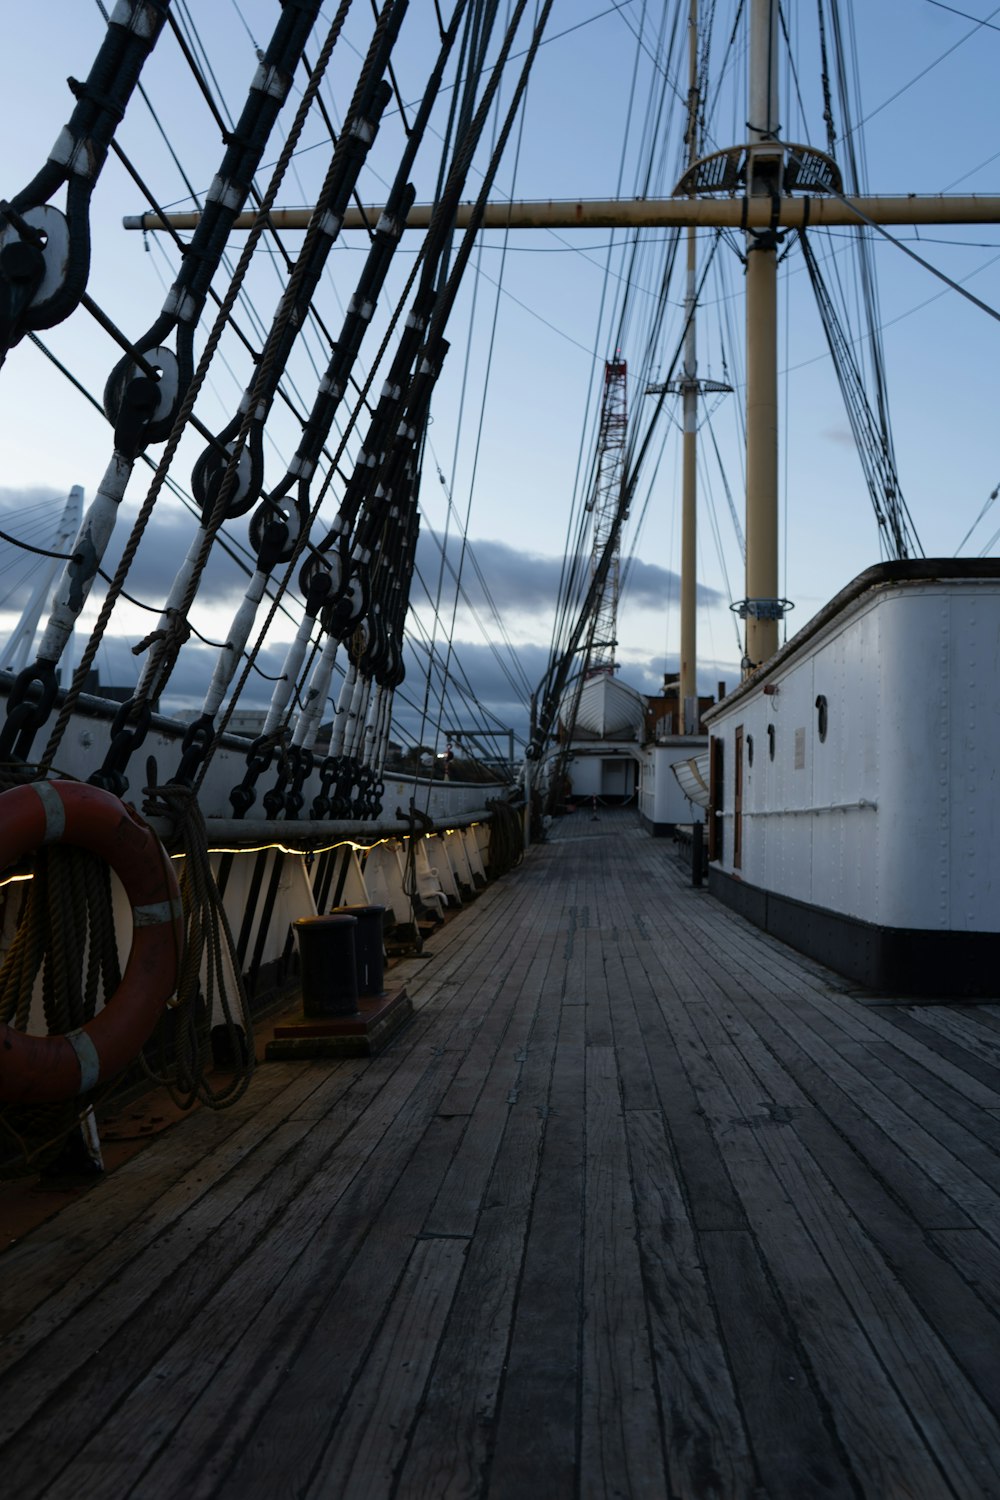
{"x": 86, "y": 1056}
{"x": 157, "y": 912}
{"x": 55, "y": 812}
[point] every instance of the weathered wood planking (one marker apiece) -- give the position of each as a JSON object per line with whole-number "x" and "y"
{"x": 641, "y": 1204}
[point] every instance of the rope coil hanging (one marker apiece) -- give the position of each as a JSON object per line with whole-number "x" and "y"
{"x": 75, "y": 836}
{"x": 62, "y": 913}
{"x": 185, "y": 1041}
{"x": 65, "y": 948}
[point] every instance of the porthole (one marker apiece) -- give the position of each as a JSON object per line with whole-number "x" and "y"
{"x": 770, "y": 741}
{"x": 821, "y": 716}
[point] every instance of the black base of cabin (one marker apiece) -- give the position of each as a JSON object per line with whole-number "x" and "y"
{"x": 584, "y": 803}
{"x": 657, "y": 830}
{"x": 901, "y": 961}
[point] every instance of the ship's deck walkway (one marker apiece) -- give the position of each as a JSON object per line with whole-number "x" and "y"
{"x": 641, "y": 1204}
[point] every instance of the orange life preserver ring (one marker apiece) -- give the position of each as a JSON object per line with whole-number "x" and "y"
{"x": 42, "y": 1070}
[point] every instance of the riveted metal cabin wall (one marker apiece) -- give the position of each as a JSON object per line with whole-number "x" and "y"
{"x": 662, "y": 803}
{"x": 870, "y": 771}
{"x": 585, "y": 775}
{"x": 943, "y": 733}
{"x": 808, "y": 801}
{"x": 617, "y": 778}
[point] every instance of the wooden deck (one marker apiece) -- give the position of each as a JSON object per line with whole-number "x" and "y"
{"x": 642, "y": 1204}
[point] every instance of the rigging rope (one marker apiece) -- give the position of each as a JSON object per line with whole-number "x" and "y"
{"x": 464, "y": 526}
{"x": 187, "y": 406}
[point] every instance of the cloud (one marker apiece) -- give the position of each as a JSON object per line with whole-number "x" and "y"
{"x": 521, "y": 584}
{"x": 649, "y": 586}
{"x": 32, "y": 517}
{"x": 528, "y": 583}
{"x": 485, "y": 686}
{"x": 492, "y": 692}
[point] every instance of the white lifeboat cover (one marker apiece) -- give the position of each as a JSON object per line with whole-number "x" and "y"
{"x": 607, "y": 710}
{"x": 692, "y": 774}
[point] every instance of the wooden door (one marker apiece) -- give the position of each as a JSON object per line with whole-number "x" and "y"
{"x": 738, "y": 800}
{"x": 716, "y": 782}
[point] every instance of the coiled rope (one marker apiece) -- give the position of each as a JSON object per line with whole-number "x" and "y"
{"x": 65, "y": 932}
{"x": 184, "y": 1037}
{"x": 65, "y": 938}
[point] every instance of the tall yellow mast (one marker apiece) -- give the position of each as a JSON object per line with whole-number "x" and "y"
{"x": 689, "y": 503}
{"x": 762, "y": 609}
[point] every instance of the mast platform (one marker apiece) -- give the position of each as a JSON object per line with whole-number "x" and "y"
{"x": 641, "y": 1204}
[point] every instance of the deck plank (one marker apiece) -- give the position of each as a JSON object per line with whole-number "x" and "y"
{"x": 655, "y": 992}
{"x": 537, "y": 1430}
{"x": 706, "y": 1442}
{"x": 621, "y": 1437}
{"x": 783, "y": 1215}
{"x": 451, "y": 1445}
{"x": 346, "y": 1274}
{"x": 61, "y": 1254}
{"x": 274, "y": 1397}
{"x": 837, "y": 1015}
{"x": 870, "y": 1185}
{"x": 856, "y": 1316}
{"x": 884, "y": 1154}
{"x": 795, "y": 1451}
{"x": 285, "y": 1192}
{"x": 457, "y": 1207}
{"x": 970, "y": 1055}
{"x": 891, "y": 1105}
{"x": 641, "y": 1203}
{"x": 369, "y": 1438}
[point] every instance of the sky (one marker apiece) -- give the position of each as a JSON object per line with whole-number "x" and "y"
{"x": 513, "y": 431}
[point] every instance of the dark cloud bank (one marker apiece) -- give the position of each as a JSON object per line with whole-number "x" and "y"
{"x": 521, "y": 584}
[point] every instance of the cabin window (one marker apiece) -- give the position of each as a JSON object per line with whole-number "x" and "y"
{"x": 821, "y": 717}
{"x": 770, "y": 741}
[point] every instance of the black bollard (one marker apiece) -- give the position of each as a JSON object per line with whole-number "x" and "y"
{"x": 329, "y": 965}
{"x": 369, "y": 946}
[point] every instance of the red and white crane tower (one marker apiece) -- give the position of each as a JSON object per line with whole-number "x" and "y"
{"x": 605, "y": 503}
